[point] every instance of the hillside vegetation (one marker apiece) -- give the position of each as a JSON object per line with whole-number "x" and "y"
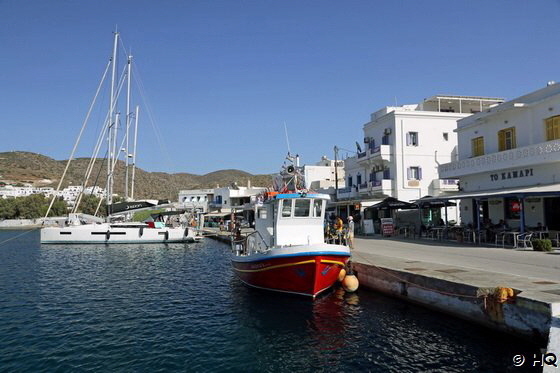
{"x": 40, "y": 170}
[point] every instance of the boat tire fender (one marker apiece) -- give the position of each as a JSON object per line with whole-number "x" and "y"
{"x": 141, "y": 233}
{"x": 186, "y": 231}
{"x": 107, "y": 234}
{"x": 166, "y": 235}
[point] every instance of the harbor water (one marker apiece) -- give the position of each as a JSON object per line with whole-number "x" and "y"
{"x": 179, "y": 307}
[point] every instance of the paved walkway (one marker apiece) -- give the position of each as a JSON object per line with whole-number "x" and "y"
{"x": 517, "y": 262}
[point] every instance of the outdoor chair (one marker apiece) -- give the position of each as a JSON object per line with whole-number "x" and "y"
{"x": 500, "y": 237}
{"x": 525, "y": 239}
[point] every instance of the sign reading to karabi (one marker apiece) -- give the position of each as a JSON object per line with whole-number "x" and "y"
{"x": 526, "y": 172}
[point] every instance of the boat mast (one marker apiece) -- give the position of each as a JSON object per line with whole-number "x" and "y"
{"x": 134, "y": 151}
{"x": 128, "y": 115}
{"x": 110, "y": 130}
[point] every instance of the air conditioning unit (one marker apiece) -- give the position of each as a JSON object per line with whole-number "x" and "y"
{"x": 366, "y": 140}
{"x": 387, "y": 131}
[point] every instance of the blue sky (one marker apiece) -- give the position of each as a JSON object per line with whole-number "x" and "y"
{"x": 222, "y": 77}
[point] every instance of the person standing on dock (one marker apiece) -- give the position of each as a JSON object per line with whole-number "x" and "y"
{"x": 350, "y": 238}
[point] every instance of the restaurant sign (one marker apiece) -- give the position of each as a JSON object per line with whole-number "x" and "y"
{"x": 512, "y": 174}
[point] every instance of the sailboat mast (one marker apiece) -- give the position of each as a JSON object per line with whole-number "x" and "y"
{"x": 134, "y": 151}
{"x": 128, "y": 114}
{"x": 109, "y": 132}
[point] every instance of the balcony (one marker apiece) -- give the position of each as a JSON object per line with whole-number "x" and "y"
{"x": 377, "y": 153}
{"x": 445, "y": 185}
{"x": 541, "y": 153}
{"x": 377, "y": 187}
{"x": 347, "y": 193}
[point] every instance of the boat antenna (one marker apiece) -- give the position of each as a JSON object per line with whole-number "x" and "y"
{"x": 287, "y": 139}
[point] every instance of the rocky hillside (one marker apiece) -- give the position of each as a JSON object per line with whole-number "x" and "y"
{"x": 40, "y": 170}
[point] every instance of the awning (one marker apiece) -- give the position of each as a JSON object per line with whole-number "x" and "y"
{"x": 364, "y": 203}
{"x": 218, "y": 214}
{"x": 433, "y": 202}
{"x": 391, "y": 203}
{"x": 539, "y": 190}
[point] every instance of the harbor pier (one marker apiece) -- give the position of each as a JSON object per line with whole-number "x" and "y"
{"x": 514, "y": 291}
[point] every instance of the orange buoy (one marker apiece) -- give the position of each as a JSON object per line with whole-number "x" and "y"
{"x": 350, "y": 283}
{"x": 341, "y": 275}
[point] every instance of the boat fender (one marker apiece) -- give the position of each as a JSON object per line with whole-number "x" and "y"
{"x": 141, "y": 233}
{"x": 186, "y": 231}
{"x": 341, "y": 275}
{"x": 350, "y": 282}
{"x": 107, "y": 234}
{"x": 166, "y": 235}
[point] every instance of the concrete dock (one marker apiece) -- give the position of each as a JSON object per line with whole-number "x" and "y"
{"x": 461, "y": 280}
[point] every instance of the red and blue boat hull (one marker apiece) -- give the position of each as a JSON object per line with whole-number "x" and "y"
{"x": 307, "y": 273}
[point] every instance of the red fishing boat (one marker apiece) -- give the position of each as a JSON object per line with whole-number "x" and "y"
{"x": 287, "y": 252}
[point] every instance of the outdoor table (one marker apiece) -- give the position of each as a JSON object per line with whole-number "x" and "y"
{"x": 514, "y": 237}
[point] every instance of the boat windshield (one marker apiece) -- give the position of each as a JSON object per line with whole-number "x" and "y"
{"x": 302, "y": 208}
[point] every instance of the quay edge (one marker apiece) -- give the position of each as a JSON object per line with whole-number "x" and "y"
{"x": 532, "y": 315}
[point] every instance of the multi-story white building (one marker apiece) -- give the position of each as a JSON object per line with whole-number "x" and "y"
{"x": 196, "y": 199}
{"x": 509, "y": 161}
{"x": 403, "y": 147}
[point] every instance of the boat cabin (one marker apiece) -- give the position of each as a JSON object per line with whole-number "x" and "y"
{"x": 292, "y": 219}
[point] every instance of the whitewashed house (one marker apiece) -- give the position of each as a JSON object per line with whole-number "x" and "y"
{"x": 196, "y": 199}
{"x": 509, "y": 162}
{"x": 402, "y": 149}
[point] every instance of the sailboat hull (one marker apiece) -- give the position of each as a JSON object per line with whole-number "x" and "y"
{"x": 105, "y": 234}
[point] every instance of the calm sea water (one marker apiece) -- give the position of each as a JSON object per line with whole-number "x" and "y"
{"x": 178, "y": 307}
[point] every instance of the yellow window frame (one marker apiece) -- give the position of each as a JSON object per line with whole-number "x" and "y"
{"x": 502, "y": 139}
{"x": 477, "y": 146}
{"x": 552, "y": 126}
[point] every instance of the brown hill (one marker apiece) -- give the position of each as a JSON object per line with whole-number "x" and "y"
{"x": 40, "y": 170}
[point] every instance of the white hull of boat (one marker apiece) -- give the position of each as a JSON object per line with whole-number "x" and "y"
{"x": 106, "y": 234}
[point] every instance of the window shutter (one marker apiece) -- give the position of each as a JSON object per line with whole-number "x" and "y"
{"x": 501, "y": 141}
{"x": 408, "y": 173}
{"x": 419, "y": 173}
{"x": 408, "y": 141}
{"x": 513, "y": 140}
{"x": 417, "y": 139}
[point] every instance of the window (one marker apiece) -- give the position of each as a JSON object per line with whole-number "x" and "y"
{"x": 506, "y": 139}
{"x": 286, "y": 208}
{"x": 412, "y": 139}
{"x": 317, "y": 208}
{"x": 446, "y": 136}
{"x": 477, "y": 145}
{"x": 552, "y": 125}
{"x": 262, "y": 213}
{"x": 386, "y": 174}
{"x": 301, "y": 209}
{"x": 414, "y": 173}
{"x": 359, "y": 179}
{"x": 372, "y": 176}
{"x": 385, "y": 140}
{"x": 371, "y": 144}
{"x": 350, "y": 181}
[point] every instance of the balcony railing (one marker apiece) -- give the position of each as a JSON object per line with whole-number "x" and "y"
{"x": 545, "y": 152}
{"x": 362, "y": 154}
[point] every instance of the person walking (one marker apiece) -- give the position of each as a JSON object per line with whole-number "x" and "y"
{"x": 350, "y": 233}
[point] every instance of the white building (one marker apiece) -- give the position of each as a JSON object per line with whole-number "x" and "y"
{"x": 402, "y": 149}
{"x": 69, "y": 194}
{"x": 509, "y": 162}
{"x": 196, "y": 199}
{"x": 321, "y": 177}
{"x": 234, "y": 198}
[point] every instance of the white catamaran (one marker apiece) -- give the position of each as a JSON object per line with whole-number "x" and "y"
{"x": 168, "y": 226}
